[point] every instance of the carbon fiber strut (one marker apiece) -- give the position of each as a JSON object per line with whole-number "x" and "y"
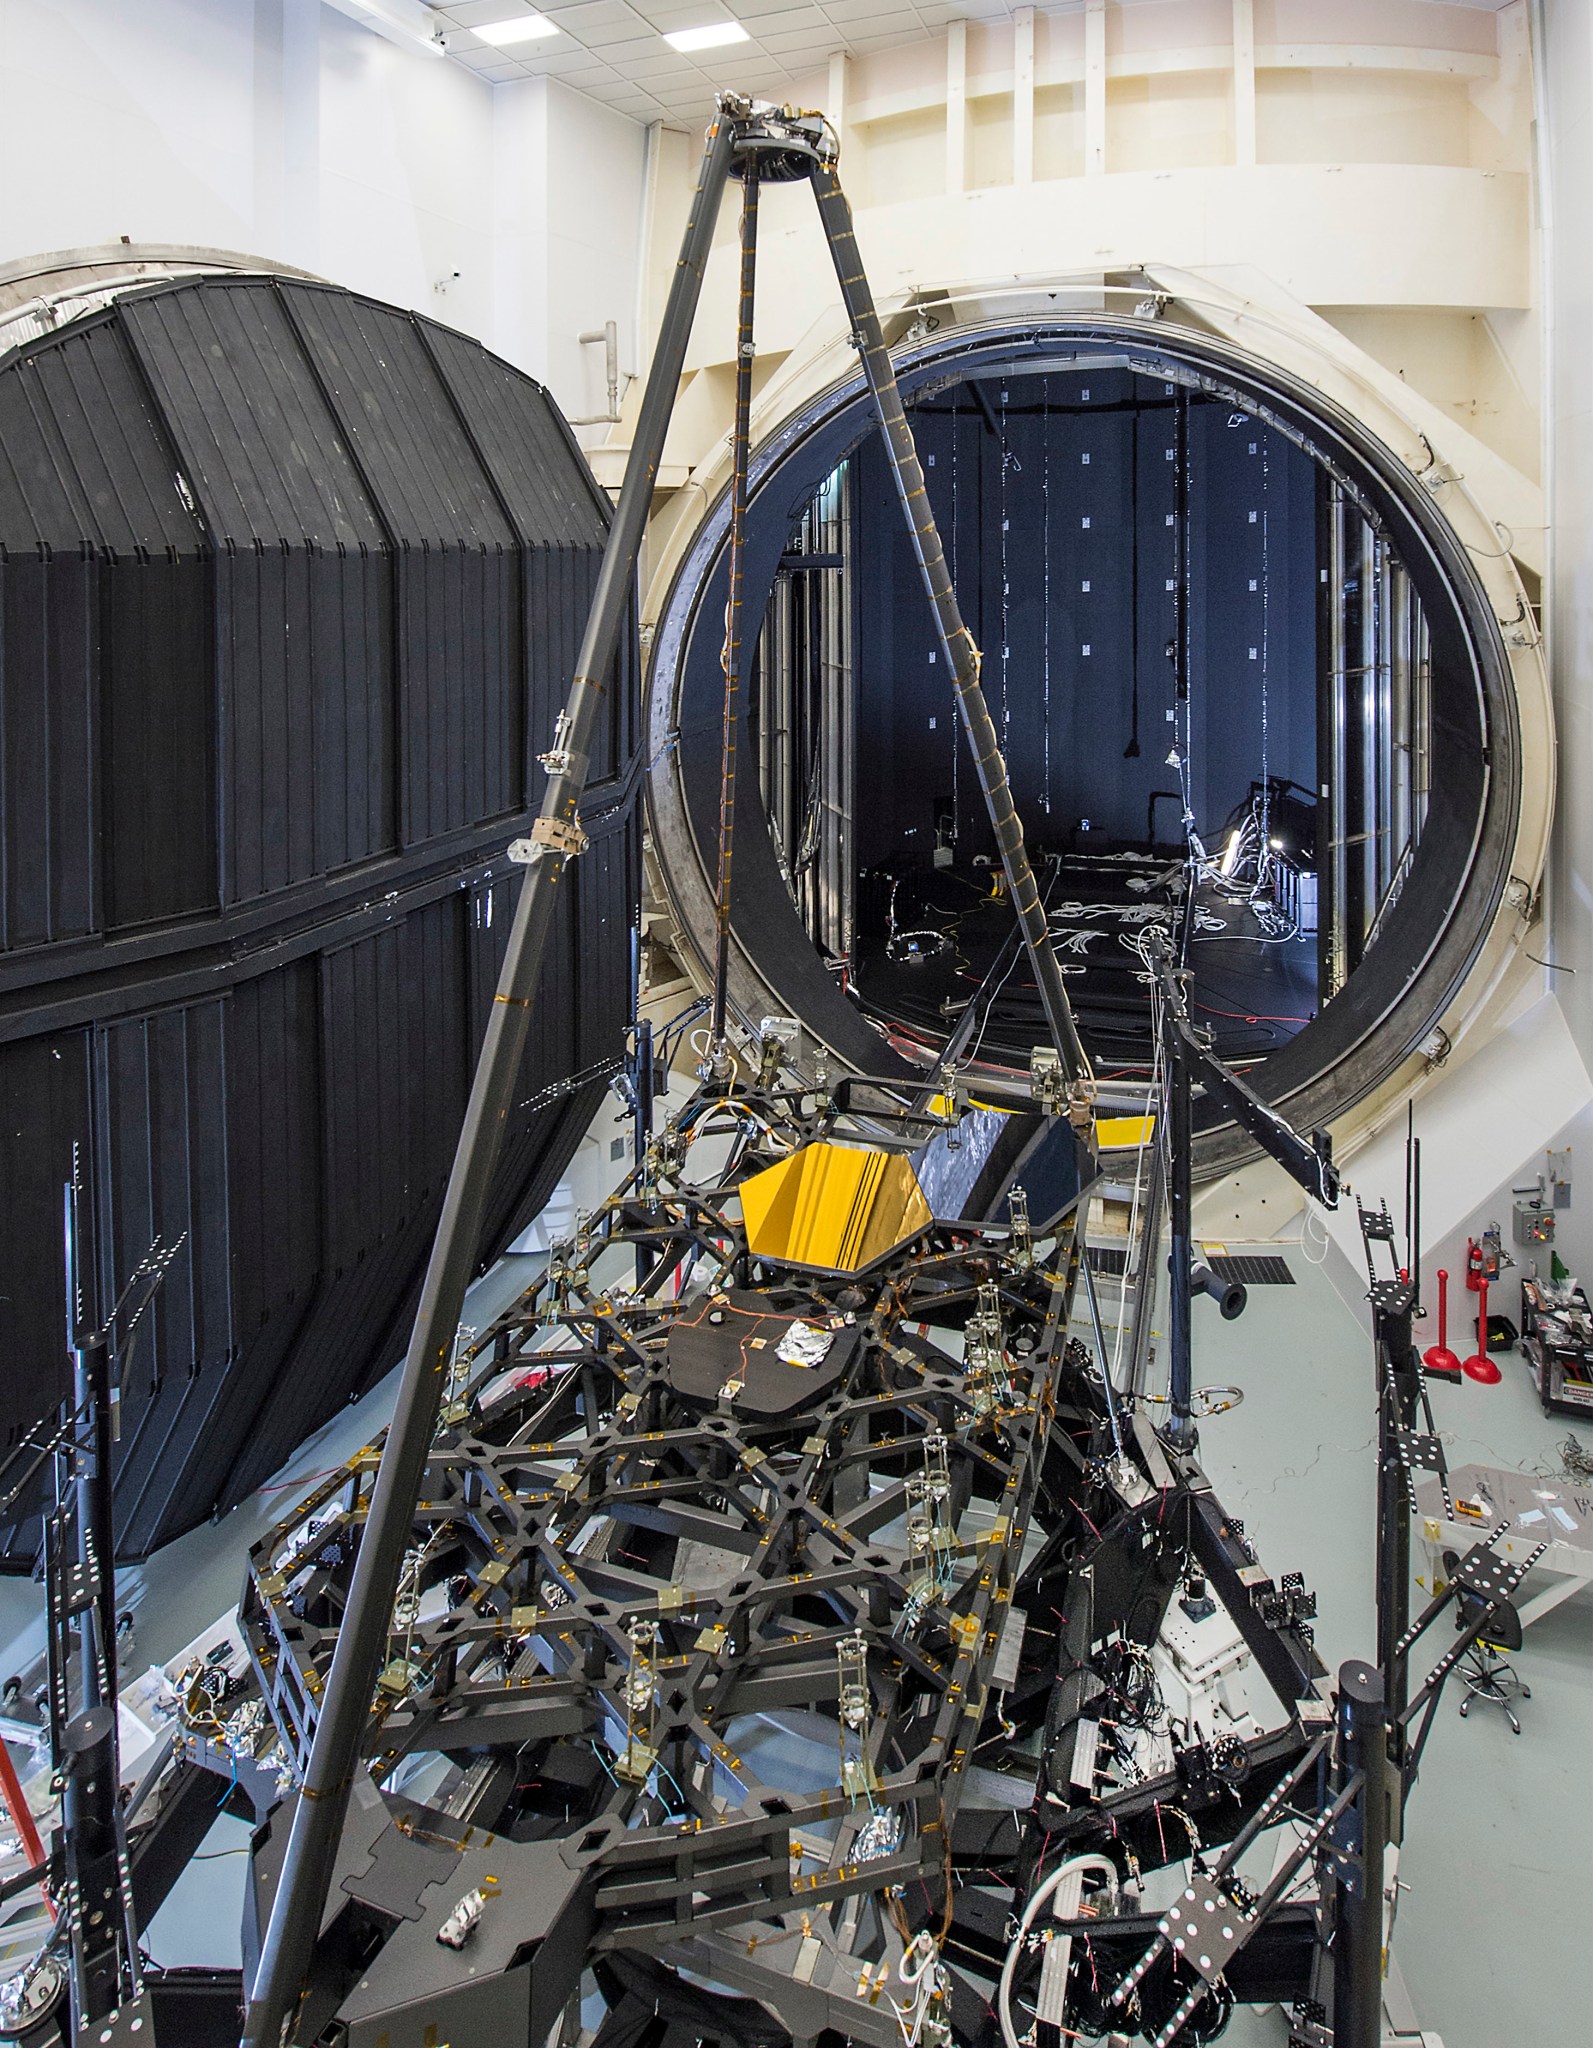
{"x": 732, "y": 658}
{"x": 957, "y": 643}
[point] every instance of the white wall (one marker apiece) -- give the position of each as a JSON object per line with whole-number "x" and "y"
{"x": 1485, "y": 1133}
{"x": 1483, "y": 1129}
{"x": 284, "y": 129}
{"x": 88, "y": 146}
{"x": 404, "y": 144}
{"x": 568, "y": 175}
{"x": 1573, "y": 1231}
{"x": 1566, "y": 156}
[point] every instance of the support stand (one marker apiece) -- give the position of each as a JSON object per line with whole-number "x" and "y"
{"x": 760, "y": 143}
{"x": 1479, "y": 1366}
{"x": 1398, "y": 1370}
{"x": 1310, "y": 1164}
{"x": 1439, "y": 1359}
{"x": 1359, "y": 1838}
{"x": 94, "y": 1893}
{"x": 1181, "y": 1431}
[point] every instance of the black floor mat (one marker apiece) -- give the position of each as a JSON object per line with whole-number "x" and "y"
{"x": 1253, "y": 1269}
{"x": 1251, "y": 993}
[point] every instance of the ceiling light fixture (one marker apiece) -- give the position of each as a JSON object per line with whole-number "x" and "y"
{"x": 522, "y": 28}
{"x": 709, "y": 37}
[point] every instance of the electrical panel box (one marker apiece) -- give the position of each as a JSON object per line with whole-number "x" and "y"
{"x": 1534, "y": 1225}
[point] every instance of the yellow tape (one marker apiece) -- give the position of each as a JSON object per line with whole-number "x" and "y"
{"x": 1114, "y": 1133}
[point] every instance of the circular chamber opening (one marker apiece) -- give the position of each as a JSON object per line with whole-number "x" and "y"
{"x": 1228, "y": 641}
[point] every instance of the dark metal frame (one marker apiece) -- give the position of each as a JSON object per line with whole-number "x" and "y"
{"x": 565, "y": 1428}
{"x": 775, "y": 145}
{"x": 543, "y": 1566}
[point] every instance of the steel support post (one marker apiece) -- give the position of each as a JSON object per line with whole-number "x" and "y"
{"x": 1333, "y": 749}
{"x": 1145, "y": 1268}
{"x": 96, "y": 1556}
{"x": 1180, "y": 1140}
{"x": 95, "y": 1871}
{"x": 91, "y": 1476}
{"x": 1360, "y": 1838}
{"x": 642, "y": 1078}
{"x": 1395, "y": 1355}
{"x": 645, "y": 1074}
{"x": 318, "y": 1817}
{"x": 957, "y": 644}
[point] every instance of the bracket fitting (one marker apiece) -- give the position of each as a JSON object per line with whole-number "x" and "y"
{"x": 564, "y": 836}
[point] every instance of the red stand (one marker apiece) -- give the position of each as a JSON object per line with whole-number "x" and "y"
{"x": 1440, "y": 1360}
{"x": 21, "y": 1815}
{"x": 1480, "y": 1366}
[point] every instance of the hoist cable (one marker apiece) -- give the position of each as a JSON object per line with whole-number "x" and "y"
{"x": 1131, "y": 751}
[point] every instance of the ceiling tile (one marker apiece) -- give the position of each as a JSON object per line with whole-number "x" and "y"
{"x": 804, "y": 42}
{"x": 603, "y": 35}
{"x": 787, "y": 19}
{"x": 613, "y": 49}
{"x": 610, "y": 16}
{"x": 657, "y": 70}
{"x": 482, "y": 13}
{"x": 632, "y": 49}
{"x": 682, "y": 13}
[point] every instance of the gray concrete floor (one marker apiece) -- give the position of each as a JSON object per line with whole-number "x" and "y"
{"x": 1490, "y": 1936}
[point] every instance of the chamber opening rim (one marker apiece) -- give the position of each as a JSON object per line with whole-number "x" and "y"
{"x": 1395, "y": 1010}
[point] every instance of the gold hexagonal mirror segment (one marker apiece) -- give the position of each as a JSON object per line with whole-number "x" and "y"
{"x": 833, "y": 1208}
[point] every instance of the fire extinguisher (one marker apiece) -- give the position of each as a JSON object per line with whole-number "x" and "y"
{"x": 1474, "y": 1265}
